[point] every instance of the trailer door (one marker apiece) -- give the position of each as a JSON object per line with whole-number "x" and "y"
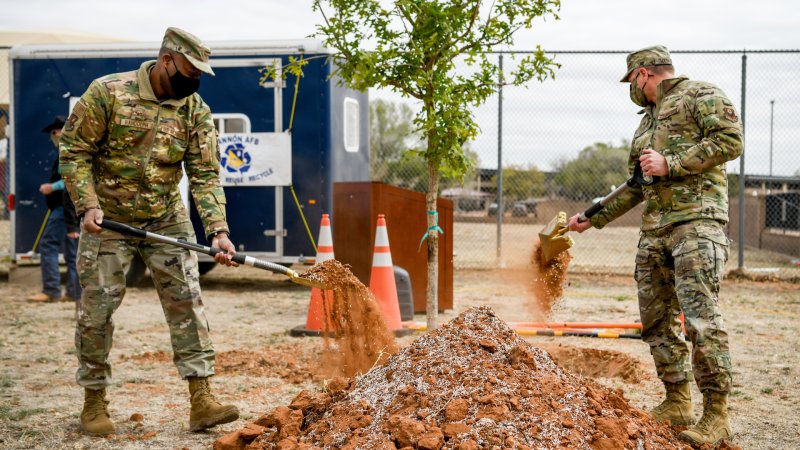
{"x": 255, "y": 154}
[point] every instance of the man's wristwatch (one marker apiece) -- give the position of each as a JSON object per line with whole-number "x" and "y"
{"x": 217, "y": 233}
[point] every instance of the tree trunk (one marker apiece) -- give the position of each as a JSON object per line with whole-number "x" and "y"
{"x": 432, "y": 307}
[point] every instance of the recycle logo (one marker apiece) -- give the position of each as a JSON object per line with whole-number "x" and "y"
{"x": 236, "y": 159}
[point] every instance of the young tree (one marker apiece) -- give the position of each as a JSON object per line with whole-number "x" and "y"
{"x": 412, "y": 47}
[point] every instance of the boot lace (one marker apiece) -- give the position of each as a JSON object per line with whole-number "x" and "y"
{"x": 96, "y": 406}
{"x": 203, "y": 394}
{"x": 704, "y": 425}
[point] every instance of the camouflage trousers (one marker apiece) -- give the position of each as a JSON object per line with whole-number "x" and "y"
{"x": 679, "y": 269}
{"x": 103, "y": 260}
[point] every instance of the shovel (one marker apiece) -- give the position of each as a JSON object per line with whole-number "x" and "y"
{"x": 553, "y": 238}
{"x": 211, "y": 251}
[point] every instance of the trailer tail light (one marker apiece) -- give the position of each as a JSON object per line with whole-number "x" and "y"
{"x": 12, "y": 202}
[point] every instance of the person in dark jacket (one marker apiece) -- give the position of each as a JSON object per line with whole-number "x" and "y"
{"x": 62, "y": 228}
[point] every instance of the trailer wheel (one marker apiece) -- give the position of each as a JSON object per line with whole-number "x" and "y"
{"x": 206, "y": 266}
{"x": 136, "y": 271}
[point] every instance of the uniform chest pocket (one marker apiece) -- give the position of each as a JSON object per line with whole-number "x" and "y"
{"x": 171, "y": 142}
{"x": 131, "y": 128}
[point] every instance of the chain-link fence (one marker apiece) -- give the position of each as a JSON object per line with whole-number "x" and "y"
{"x": 563, "y": 143}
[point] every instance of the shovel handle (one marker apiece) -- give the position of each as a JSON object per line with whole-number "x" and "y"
{"x": 594, "y": 209}
{"x": 211, "y": 251}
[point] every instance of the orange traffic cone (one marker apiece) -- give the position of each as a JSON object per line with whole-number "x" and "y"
{"x": 318, "y": 319}
{"x": 381, "y": 281}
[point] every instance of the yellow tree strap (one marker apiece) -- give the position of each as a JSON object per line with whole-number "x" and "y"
{"x": 291, "y": 187}
{"x": 303, "y": 216}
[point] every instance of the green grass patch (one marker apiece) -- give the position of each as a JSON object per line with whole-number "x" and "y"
{"x": 7, "y": 382}
{"x": 740, "y": 394}
{"x": 10, "y": 414}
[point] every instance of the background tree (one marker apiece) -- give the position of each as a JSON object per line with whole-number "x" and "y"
{"x": 414, "y": 46}
{"x": 520, "y": 182}
{"x": 391, "y": 131}
{"x": 592, "y": 173}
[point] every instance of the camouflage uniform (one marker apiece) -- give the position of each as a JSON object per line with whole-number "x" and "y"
{"x": 683, "y": 248}
{"x": 121, "y": 151}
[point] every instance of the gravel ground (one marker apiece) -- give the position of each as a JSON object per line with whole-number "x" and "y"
{"x": 250, "y": 311}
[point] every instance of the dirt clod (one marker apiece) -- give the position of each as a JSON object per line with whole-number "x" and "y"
{"x": 444, "y": 375}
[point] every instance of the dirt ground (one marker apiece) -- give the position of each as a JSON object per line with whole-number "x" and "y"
{"x": 260, "y": 367}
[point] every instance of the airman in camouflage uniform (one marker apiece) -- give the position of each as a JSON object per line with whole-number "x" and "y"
{"x": 121, "y": 154}
{"x": 689, "y": 130}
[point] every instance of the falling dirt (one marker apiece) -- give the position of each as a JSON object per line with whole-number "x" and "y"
{"x": 361, "y": 337}
{"x": 547, "y": 285}
{"x": 473, "y": 383}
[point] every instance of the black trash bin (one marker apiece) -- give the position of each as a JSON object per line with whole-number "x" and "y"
{"x": 405, "y": 297}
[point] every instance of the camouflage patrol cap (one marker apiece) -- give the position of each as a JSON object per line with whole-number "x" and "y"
{"x": 189, "y": 46}
{"x": 657, "y": 55}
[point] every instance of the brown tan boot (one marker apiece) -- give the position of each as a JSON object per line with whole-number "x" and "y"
{"x": 713, "y": 427}
{"x": 677, "y": 407}
{"x": 41, "y": 298}
{"x": 94, "y": 417}
{"x": 206, "y": 410}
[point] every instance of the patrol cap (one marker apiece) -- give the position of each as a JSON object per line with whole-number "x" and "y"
{"x": 58, "y": 123}
{"x": 189, "y": 46}
{"x": 657, "y": 55}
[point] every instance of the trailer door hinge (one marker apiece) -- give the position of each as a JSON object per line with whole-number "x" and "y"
{"x": 281, "y": 233}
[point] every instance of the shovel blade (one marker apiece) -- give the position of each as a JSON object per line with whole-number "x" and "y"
{"x": 310, "y": 282}
{"x": 553, "y": 239}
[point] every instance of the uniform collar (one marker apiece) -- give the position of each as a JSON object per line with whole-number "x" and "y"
{"x": 146, "y": 89}
{"x": 666, "y": 85}
{"x": 646, "y": 110}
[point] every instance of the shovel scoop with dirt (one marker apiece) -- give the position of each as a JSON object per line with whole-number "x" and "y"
{"x": 553, "y": 238}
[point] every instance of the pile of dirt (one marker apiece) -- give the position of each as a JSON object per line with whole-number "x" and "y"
{"x": 596, "y": 363}
{"x": 362, "y": 338}
{"x": 294, "y": 363}
{"x": 547, "y": 284}
{"x": 473, "y": 383}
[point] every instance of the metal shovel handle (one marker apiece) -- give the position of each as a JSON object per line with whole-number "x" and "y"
{"x": 638, "y": 179}
{"x": 211, "y": 251}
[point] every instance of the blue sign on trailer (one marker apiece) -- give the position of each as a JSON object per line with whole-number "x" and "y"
{"x": 328, "y": 141}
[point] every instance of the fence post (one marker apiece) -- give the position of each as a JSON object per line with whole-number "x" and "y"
{"x": 500, "y": 163}
{"x": 741, "y": 167}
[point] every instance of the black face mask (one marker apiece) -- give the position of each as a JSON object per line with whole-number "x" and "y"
{"x": 182, "y": 86}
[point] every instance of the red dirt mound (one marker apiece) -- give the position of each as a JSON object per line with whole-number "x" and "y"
{"x": 294, "y": 362}
{"x": 595, "y": 363}
{"x": 473, "y": 383}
